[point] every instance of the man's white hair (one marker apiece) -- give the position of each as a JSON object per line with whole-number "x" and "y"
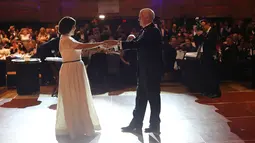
{"x": 147, "y": 12}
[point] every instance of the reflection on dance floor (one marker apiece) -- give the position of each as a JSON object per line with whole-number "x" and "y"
{"x": 186, "y": 118}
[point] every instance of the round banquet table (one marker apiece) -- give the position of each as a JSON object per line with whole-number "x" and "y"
{"x": 27, "y": 76}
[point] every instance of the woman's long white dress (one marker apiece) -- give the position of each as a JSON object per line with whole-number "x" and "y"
{"x": 76, "y": 115}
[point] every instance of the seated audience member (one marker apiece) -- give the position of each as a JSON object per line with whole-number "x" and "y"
{"x": 169, "y": 54}
{"x": 229, "y": 53}
{"x": 17, "y": 47}
{"x": 42, "y": 36}
{"x": 25, "y": 37}
{"x": 187, "y": 46}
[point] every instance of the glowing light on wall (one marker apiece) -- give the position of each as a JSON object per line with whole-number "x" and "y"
{"x": 102, "y": 17}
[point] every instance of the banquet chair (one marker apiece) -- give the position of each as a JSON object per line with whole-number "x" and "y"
{"x": 10, "y": 74}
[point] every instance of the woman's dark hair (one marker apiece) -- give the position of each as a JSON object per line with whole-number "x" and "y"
{"x": 66, "y": 24}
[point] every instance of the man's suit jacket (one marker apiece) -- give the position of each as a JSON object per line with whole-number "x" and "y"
{"x": 210, "y": 42}
{"x": 149, "y": 50}
{"x": 45, "y": 50}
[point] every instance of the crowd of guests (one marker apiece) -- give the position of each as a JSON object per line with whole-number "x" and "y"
{"x": 235, "y": 44}
{"x": 25, "y": 40}
{"x": 235, "y": 40}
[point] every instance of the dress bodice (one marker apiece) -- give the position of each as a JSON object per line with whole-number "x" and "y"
{"x": 67, "y": 49}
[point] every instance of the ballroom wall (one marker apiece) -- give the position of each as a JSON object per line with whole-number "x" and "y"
{"x": 209, "y": 8}
{"x": 52, "y": 10}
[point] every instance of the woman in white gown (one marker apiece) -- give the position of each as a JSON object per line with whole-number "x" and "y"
{"x": 76, "y": 115}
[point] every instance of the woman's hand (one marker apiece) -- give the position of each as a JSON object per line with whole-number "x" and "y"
{"x": 111, "y": 43}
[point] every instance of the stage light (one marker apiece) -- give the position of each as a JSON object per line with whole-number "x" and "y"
{"x": 124, "y": 21}
{"x": 102, "y": 17}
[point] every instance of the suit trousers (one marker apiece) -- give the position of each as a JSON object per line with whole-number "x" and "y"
{"x": 210, "y": 76}
{"x": 148, "y": 89}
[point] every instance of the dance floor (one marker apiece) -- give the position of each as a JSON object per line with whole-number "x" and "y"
{"x": 186, "y": 117}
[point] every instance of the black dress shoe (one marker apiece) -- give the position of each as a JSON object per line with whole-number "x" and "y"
{"x": 132, "y": 129}
{"x": 155, "y": 130}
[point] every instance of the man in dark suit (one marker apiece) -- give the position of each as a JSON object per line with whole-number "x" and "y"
{"x": 210, "y": 75}
{"x": 149, "y": 56}
{"x": 48, "y": 49}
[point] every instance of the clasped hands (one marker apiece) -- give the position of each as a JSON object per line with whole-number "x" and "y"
{"x": 111, "y": 43}
{"x": 107, "y": 46}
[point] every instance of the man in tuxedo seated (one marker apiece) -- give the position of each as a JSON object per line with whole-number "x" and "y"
{"x": 48, "y": 49}
{"x": 211, "y": 87}
{"x": 169, "y": 54}
{"x": 187, "y": 46}
{"x": 149, "y": 60}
